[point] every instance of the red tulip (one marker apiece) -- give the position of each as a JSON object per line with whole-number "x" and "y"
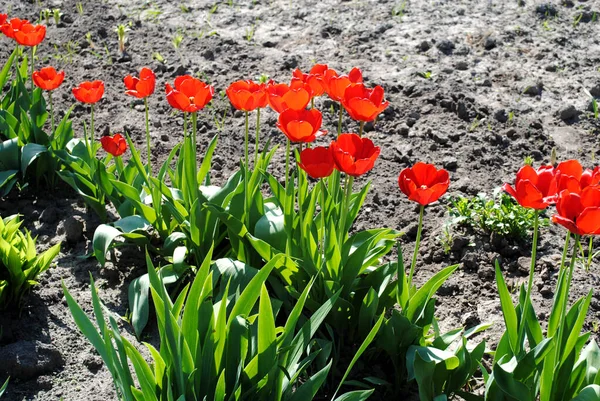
{"x": 570, "y": 175}
{"x": 317, "y": 162}
{"x": 89, "y": 92}
{"x": 48, "y": 79}
{"x": 354, "y": 155}
{"x": 116, "y": 145}
{"x": 282, "y": 96}
{"x": 189, "y": 95}
{"x": 140, "y": 87}
{"x": 23, "y": 32}
{"x": 247, "y": 95}
{"x": 300, "y": 125}
{"x": 579, "y": 212}
{"x": 423, "y": 183}
{"x": 364, "y": 104}
{"x": 315, "y": 79}
{"x": 337, "y": 84}
{"x": 3, "y": 18}
{"x": 535, "y": 189}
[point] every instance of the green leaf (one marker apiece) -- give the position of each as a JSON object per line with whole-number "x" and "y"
{"x": 508, "y": 311}
{"x": 359, "y": 395}
{"x": 589, "y": 393}
{"x": 29, "y": 153}
{"x": 309, "y": 389}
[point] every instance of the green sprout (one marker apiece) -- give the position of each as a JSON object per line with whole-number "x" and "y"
{"x": 56, "y": 14}
{"x": 80, "y": 7}
{"x": 425, "y": 74}
{"x": 158, "y": 57}
{"x": 528, "y": 161}
{"x": 121, "y": 31}
{"x": 177, "y": 39}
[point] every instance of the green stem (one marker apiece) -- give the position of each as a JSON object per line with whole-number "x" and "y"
{"x": 525, "y": 310}
{"x": 312, "y": 103}
{"x": 339, "y": 131}
{"x": 300, "y": 197}
{"x": 257, "y": 137}
{"x": 590, "y": 250}
{"x": 287, "y": 178}
{"x": 345, "y": 207}
{"x": 563, "y": 314}
{"x": 148, "y": 133}
{"x": 246, "y": 207}
{"x": 51, "y": 111}
{"x": 91, "y": 139}
{"x": 32, "y": 66}
{"x": 361, "y": 128}
{"x": 322, "y": 222}
{"x": 194, "y": 134}
{"x": 413, "y": 264}
{"x": 120, "y": 167}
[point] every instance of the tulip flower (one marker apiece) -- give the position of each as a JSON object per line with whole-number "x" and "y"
{"x": 337, "y": 84}
{"x": 317, "y": 162}
{"x": 141, "y": 87}
{"x": 423, "y": 183}
{"x": 571, "y": 175}
{"x": 116, "y": 145}
{"x": 48, "y": 79}
{"x": 315, "y": 79}
{"x": 354, "y": 155}
{"x": 579, "y": 212}
{"x": 282, "y": 97}
{"x": 535, "y": 189}
{"x": 3, "y": 18}
{"x": 590, "y": 178}
{"x": 23, "y": 32}
{"x": 247, "y": 95}
{"x": 364, "y": 104}
{"x": 189, "y": 94}
{"x": 300, "y": 125}
{"x": 89, "y": 92}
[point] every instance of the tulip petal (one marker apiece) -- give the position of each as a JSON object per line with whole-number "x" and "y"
{"x": 588, "y": 221}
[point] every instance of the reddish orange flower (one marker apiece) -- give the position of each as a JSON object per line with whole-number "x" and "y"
{"x": 140, "y": 87}
{"x": 23, "y": 32}
{"x": 247, "y": 95}
{"x": 89, "y": 92}
{"x": 337, "y": 84}
{"x": 362, "y": 103}
{"x": 48, "y": 79}
{"x": 282, "y": 96}
{"x": 3, "y": 18}
{"x": 535, "y": 189}
{"x": 579, "y": 212}
{"x": 317, "y": 162}
{"x": 189, "y": 95}
{"x": 570, "y": 175}
{"x": 315, "y": 79}
{"x": 300, "y": 125}
{"x": 116, "y": 145}
{"x": 590, "y": 178}
{"x": 354, "y": 155}
{"x": 423, "y": 183}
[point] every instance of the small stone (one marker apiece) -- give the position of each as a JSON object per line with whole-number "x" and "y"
{"x": 532, "y": 89}
{"x": 164, "y": 137}
{"x": 524, "y": 264}
{"x": 208, "y": 55}
{"x": 595, "y": 91}
{"x": 510, "y": 133}
{"x": 445, "y": 46}
{"x": 424, "y": 46}
{"x": 470, "y": 319}
{"x": 462, "y": 66}
{"x": 470, "y": 261}
{"x": 568, "y": 113}
{"x": 501, "y": 116}
{"x": 49, "y": 215}
{"x": 459, "y": 242}
{"x": 489, "y": 43}
{"x": 546, "y": 10}
{"x": 74, "y": 227}
{"x": 450, "y": 163}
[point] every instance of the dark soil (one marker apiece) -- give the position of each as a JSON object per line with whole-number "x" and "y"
{"x": 509, "y": 79}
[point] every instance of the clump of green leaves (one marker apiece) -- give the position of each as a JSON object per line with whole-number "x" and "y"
{"x": 20, "y": 264}
{"x": 499, "y": 214}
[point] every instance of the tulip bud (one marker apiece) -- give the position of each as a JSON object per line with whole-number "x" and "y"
{"x": 553, "y": 157}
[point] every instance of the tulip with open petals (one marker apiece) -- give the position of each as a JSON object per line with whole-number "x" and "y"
{"x": 300, "y": 125}
{"x": 116, "y": 145}
{"x": 317, "y": 162}
{"x": 534, "y": 189}
{"x": 3, "y": 18}
{"x": 247, "y": 95}
{"x": 362, "y": 103}
{"x": 89, "y": 92}
{"x": 282, "y": 96}
{"x": 336, "y": 85}
{"x": 140, "y": 87}
{"x": 423, "y": 183}
{"x": 48, "y": 79}
{"x": 579, "y": 212}
{"x": 315, "y": 79}
{"x": 23, "y": 32}
{"x": 354, "y": 155}
{"x": 189, "y": 94}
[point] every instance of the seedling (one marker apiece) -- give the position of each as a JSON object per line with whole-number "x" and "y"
{"x": 184, "y": 9}
{"x": 425, "y": 74}
{"x": 528, "y": 161}
{"x": 399, "y": 10}
{"x": 476, "y": 123}
{"x": 553, "y": 157}
{"x": 121, "y": 31}
{"x": 80, "y": 7}
{"x": 250, "y": 32}
{"x": 511, "y": 117}
{"x": 56, "y": 14}
{"x": 152, "y": 14}
{"x": 157, "y": 56}
{"x": 177, "y": 39}
{"x": 88, "y": 38}
{"x": 595, "y": 108}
